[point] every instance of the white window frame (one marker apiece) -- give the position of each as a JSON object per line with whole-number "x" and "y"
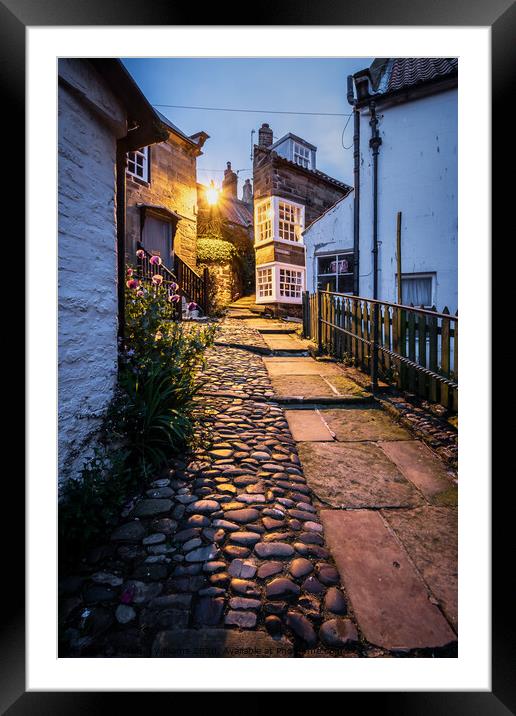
{"x": 261, "y": 207}
{"x": 432, "y": 275}
{"x": 300, "y": 151}
{"x": 277, "y": 267}
{"x": 274, "y": 203}
{"x": 269, "y": 269}
{"x": 143, "y": 155}
{"x": 336, "y": 273}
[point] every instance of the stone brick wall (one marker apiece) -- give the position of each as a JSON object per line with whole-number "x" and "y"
{"x": 273, "y": 176}
{"x": 173, "y": 186}
{"x": 90, "y": 118}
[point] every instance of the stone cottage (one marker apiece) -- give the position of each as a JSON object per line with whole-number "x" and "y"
{"x": 102, "y": 115}
{"x": 161, "y": 186}
{"x": 289, "y": 193}
{"x": 225, "y": 238}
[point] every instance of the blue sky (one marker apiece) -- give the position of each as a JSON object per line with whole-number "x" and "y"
{"x": 290, "y": 84}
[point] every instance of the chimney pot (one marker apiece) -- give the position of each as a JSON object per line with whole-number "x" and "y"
{"x": 230, "y": 182}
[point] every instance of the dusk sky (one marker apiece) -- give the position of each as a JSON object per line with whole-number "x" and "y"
{"x": 290, "y": 84}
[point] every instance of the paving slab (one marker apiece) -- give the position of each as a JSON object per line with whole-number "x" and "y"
{"x": 277, "y": 366}
{"x": 430, "y": 534}
{"x": 216, "y": 643}
{"x": 308, "y": 425}
{"x": 366, "y": 423}
{"x": 421, "y": 466}
{"x": 305, "y": 386}
{"x": 282, "y": 341}
{"x": 355, "y": 475}
{"x": 388, "y": 596}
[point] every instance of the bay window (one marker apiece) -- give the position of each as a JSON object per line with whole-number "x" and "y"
{"x": 277, "y": 219}
{"x": 279, "y": 283}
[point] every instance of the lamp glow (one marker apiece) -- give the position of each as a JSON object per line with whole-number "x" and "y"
{"x": 212, "y": 194}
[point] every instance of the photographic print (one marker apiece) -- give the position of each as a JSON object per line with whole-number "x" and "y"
{"x": 258, "y": 357}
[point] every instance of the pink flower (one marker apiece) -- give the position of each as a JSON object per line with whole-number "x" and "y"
{"x": 174, "y": 298}
{"x": 192, "y": 306}
{"x": 157, "y": 279}
{"x": 174, "y": 286}
{"x": 140, "y": 293}
{"x": 132, "y": 283}
{"x": 140, "y": 254}
{"x": 129, "y": 271}
{"x": 155, "y": 260}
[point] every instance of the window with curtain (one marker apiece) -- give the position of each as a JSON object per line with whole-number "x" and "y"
{"x": 417, "y": 289}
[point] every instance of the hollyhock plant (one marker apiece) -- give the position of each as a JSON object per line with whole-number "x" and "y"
{"x": 132, "y": 283}
{"x": 140, "y": 254}
{"x": 174, "y": 298}
{"x": 140, "y": 293}
{"x": 192, "y": 306}
{"x": 155, "y": 261}
{"x": 157, "y": 279}
{"x": 174, "y": 286}
{"x": 129, "y": 271}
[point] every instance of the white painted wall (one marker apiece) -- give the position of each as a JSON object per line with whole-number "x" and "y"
{"x": 331, "y": 233}
{"x": 417, "y": 176}
{"x": 88, "y": 124}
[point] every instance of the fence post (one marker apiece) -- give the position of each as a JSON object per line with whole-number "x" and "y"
{"x": 306, "y": 314}
{"x": 319, "y": 322}
{"x": 374, "y": 346}
{"x": 205, "y": 279}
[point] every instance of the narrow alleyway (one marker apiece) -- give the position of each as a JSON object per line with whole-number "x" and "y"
{"x": 308, "y": 524}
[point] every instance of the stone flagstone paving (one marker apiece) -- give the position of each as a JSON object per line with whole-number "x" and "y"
{"x": 224, "y": 555}
{"x": 228, "y": 539}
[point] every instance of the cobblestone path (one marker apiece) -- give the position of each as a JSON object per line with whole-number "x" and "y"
{"x": 225, "y": 548}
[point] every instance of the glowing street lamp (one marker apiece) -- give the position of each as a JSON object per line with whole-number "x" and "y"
{"x": 212, "y": 194}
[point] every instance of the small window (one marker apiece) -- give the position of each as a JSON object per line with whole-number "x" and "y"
{"x": 264, "y": 282}
{"x": 416, "y": 289}
{"x": 138, "y": 163}
{"x": 302, "y": 156}
{"x": 336, "y": 272}
{"x": 264, "y": 221}
{"x": 291, "y": 283}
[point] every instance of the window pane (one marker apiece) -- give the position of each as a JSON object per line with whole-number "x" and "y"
{"x": 346, "y": 283}
{"x": 416, "y": 290}
{"x": 327, "y": 283}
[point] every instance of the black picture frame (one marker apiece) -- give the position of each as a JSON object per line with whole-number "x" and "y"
{"x": 500, "y": 16}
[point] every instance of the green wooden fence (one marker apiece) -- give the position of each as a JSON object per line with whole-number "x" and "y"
{"x": 416, "y": 348}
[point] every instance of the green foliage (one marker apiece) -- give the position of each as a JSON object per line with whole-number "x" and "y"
{"x": 215, "y": 250}
{"x": 92, "y": 502}
{"x": 149, "y": 419}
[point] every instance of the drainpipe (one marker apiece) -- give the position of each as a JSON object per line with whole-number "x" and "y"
{"x": 375, "y": 143}
{"x": 121, "y": 162}
{"x": 356, "y": 182}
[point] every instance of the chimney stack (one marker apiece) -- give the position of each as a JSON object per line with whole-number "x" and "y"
{"x": 230, "y": 182}
{"x": 265, "y": 136}
{"x": 247, "y": 192}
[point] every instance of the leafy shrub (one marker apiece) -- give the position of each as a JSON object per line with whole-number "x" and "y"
{"x": 149, "y": 419}
{"x": 215, "y": 250}
{"x": 92, "y": 502}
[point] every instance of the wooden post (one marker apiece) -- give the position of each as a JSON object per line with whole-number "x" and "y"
{"x": 445, "y": 357}
{"x": 319, "y": 322}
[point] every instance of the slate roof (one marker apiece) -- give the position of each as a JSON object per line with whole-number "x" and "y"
{"x": 313, "y": 172}
{"x": 411, "y": 71}
{"x": 393, "y": 74}
{"x": 236, "y": 211}
{"x": 166, "y": 121}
